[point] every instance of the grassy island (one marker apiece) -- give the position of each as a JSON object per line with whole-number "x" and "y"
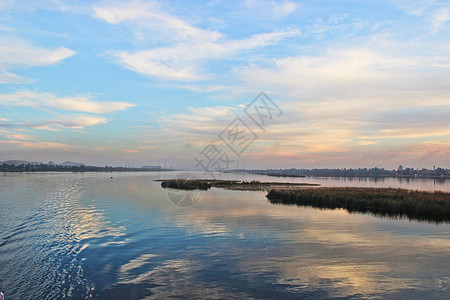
{"x": 419, "y": 205}
{"x": 204, "y": 184}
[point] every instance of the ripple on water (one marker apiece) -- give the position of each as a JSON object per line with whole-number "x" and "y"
{"x": 89, "y": 236}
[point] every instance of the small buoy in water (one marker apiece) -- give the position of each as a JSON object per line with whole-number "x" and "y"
{"x": 111, "y": 178}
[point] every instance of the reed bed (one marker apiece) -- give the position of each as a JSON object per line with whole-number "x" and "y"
{"x": 419, "y": 205}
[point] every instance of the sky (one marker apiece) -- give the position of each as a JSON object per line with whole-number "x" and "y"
{"x": 132, "y": 83}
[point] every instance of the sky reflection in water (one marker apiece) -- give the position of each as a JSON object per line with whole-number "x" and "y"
{"x": 84, "y": 235}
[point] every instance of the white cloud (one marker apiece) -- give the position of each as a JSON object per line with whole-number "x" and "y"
{"x": 195, "y": 127}
{"x": 183, "y": 61}
{"x": 17, "y": 53}
{"x": 188, "y": 47}
{"x": 362, "y": 75}
{"x": 9, "y": 78}
{"x": 21, "y": 137}
{"x": 435, "y": 13}
{"x": 199, "y": 120}
{"x": 74, "y": 122}
{"x": 352, "y": 100}
{"x": 149, "y": 15}
{"x": 47, "y": 100}
{"x": 162, "y": 63}
{"x": 78, "y": 122}
{"x": 351, "y": 66}
{"x": 276, "y": 9}
{"x": 36, "y": 144}
{"x": 440, "y": 18}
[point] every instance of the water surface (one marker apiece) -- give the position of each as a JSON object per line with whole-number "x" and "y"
{"x": 87, "y": 235}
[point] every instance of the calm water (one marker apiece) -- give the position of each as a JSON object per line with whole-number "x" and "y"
{"x": 91, "y": 236}
{"x": 425, "y": 184}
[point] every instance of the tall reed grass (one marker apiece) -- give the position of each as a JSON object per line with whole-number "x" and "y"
{"x": 419, "y": 205}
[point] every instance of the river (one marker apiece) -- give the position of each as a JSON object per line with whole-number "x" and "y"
{"x": 120, "y": 236}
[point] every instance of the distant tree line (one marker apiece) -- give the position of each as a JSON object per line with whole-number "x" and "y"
{"x": 360, "y": 172}
{"x": 53, "y": 167}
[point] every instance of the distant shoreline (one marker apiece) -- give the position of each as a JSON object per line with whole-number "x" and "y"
{"x": 100, "y": 170}
{"x": 123, "y": 169}
{"x": 349, "y": 176}
{"x": 354, "y": 176}
{"x": 438, "y": 173}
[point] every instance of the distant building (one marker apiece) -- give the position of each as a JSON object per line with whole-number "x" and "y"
{"x": 154, "y": 168}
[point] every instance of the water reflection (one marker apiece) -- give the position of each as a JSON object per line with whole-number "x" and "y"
{"x": 87, "y": 235}
{"x": 425, "y": 184}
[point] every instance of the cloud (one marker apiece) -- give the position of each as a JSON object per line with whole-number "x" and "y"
{"x": 440, "y": 18}
{"x": 198, "y": 122}
{"x": 16, "y": 53}
{"x": 152, "y": 63}
{"x": 149, "y": 15}
{"x": 130, "y": 151}
{"x": 71, "y": 122}
{"x": 366, "y": 78}
{"x": 329, "y": 133}
{"x": 183, "y": 135}
{"x": 274, "y": 9}
{"x": 435, "y": 13}
{"x": 147, "y": 147}
{"x": 347, "y": 103}
{"x": 188, "y": 47}
{"x": 366, "y": 143}
{"x": 36, "y": 145}
{"x": 21, "y": 137}
{"x": 183, "y": 61}
{"x": 9, "y": 78}
{"x": 350, "y": 67}
{"x": 78, "y": 122}
{"x": 416, "y": 7}
{"x": 47, "y": 100}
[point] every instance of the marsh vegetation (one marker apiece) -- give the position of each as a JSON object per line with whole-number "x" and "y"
{"x": 204, "y": 184}
{"x": 418, "y": 205}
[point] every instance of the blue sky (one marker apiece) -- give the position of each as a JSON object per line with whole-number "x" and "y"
{"x": 360, "y": 83}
